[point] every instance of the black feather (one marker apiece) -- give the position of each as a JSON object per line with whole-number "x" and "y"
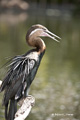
{"x": 21, "y": 73}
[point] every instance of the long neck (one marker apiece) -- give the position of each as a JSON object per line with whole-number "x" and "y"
{"x": 36, "y": 42}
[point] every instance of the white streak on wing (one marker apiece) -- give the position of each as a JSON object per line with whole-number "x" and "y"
{"x": 11, "y": 64}
{"x": 15, "y": 58}
{"x": 28, "y": 67}
{"x": 34, "y": 31}
{"x": 17, "y": 65}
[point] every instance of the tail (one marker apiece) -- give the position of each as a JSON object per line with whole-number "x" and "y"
{"x": 10, "y": 112}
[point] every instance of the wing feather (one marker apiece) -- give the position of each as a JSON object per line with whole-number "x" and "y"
{"x": 15, "y": 81}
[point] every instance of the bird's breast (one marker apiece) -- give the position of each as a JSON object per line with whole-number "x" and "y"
{"x": 33, "y": 55}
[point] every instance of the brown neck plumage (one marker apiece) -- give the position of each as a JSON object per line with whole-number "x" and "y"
{"x": 36, "y": 42}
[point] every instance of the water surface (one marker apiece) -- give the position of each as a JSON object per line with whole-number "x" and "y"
{"x": 56, "y": 87}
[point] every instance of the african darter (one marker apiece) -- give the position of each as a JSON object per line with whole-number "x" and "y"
{"x": 23, "y": 68}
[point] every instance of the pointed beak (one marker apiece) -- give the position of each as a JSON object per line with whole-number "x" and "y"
{"x": 52, "y": 36}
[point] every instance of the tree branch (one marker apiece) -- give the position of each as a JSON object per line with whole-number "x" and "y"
{"x": 0, "y": 82}
{"x": 25, "y": 107}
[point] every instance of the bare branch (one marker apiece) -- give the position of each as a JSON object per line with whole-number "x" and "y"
{"x": 25, "y": 107}
{"x": 0, "y": 82}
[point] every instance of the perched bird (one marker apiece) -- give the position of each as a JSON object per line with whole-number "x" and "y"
{"x": 23, "y": 68}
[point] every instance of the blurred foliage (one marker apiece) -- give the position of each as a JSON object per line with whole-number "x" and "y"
{"x": 54, "y": 1}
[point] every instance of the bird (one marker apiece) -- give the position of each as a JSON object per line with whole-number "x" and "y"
{"x": 23, "y": 68}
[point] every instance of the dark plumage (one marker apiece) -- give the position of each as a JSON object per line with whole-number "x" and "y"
{"x": 22, "y": 70}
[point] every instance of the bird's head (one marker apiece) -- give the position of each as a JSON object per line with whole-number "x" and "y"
{"x": 41, "y": 31}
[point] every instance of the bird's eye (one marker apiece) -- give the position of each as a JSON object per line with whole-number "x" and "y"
{"x": 44, "y": 29}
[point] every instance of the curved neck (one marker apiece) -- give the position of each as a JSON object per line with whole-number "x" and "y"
{"x": 36, "y": 42}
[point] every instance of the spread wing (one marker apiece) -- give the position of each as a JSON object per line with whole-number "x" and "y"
{"x": 15, "y": 81}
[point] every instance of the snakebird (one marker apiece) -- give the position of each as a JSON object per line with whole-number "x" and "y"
{"x": 23, "y": 68}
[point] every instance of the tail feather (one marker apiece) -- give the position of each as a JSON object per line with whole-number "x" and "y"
{"x": 6, "y": 111}
{"x": 10, "y": 114}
